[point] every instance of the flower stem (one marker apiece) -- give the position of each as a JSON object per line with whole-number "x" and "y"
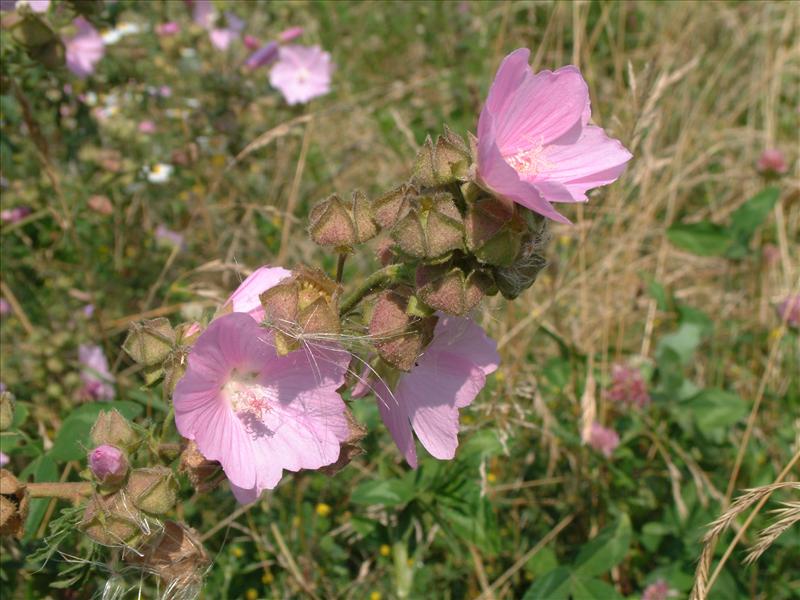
{"x": 340, "y": 267}
{"x": 377, "y": 281}
{"x": 66, "y": 490}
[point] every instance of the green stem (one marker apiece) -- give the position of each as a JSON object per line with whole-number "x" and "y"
{"x": 377, "y": 281}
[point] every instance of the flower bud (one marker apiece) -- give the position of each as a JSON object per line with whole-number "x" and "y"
{"x": 32, "y": 31}
{"x": 176, "y": 555}
{"x": 50, "y": 55}
{"x": 153, "y": 490}
{"x": 198, "y": 468}
{"x": 431, "y": 229}
{"x": 14, "y": 503}
{"x": 513, "y": 280}
{"x": 149, "y": 342}
{"x": 394, "y": 205}
{"x": 113, "y": 429}
{"x": 335, "y": 222}
{"x": 494, "y": 231}
{"x": 111, "y": 520}
{"x": 303, "y": 304}
{"x": 399, "y": 338}
{"x": 108, "y": 464}
{"x": 448, "y": 289}
{"x": 444, "y": 163}
{"x": 6, "y": 410}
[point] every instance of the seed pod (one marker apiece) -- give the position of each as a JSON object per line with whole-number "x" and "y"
{"x": 335, "y": 222}
{"x": 431, "y": 229}
{"x": 448, "y": 289}
{"x": 445, "y": 162}
{"x": 394, "y": 205}
{"x": 149, "y": 342}
{"x": 14, "y": 503}
{"x": 153, "y": 489}
{"x": 399, "y": 338}
{"x": 513, "y": 280}
{"x": 494, "y": 231}
{"x": 111, "y": 520}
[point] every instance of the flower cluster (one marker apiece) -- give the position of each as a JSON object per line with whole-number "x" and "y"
{"x": 264, "y": 387}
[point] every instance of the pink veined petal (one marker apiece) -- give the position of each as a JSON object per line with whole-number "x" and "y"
{"x": 246, "y": 297}
{"x": 244, "y": 496}
{"x": 395, "y": 417}
{"x": 463, "y": 336}
{"x": 544, "y": 108}
{"x": 499, "y": 177}
{"x": 509, "y": 77}
{"x": 594, "y": 160}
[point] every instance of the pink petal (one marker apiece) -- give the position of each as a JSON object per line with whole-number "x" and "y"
{"x": 594, "y": 160}
{"x": 394, "y": 415}
{"x": 510, "y": 75}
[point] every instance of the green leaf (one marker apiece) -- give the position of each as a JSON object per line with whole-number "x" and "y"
{"x": 682, "y": 342}
{"x": 703, "y": 238}
{"x": 555, "y": 585}
{"x": 749, "y": 217}
{"x": 42, "y": 469}
{"x": 593, "y": 589}
{"x": 392, "y": 492}
{"x": 715, "y": 409}
{"x": 606, "y": 550}
{"x": 72, "y": 441}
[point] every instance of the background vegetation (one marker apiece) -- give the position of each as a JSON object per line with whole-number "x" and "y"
{"x": 665, "y": 270}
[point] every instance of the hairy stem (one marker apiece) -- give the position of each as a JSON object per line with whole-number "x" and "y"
{"x": 66, "y": 490}
{"x": 377, "y": 281}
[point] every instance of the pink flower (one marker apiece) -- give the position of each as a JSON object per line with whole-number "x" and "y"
{"x": 108, "y": 463}
{"x": 84, "y": 49}
{"x": 251, "y": 42}
{"x": 165, "y": 91}
{"x": 167, "y": 29}
{"x": 168, "y": 237}
{"x": 4, "y": 460}
{"x": 772, "y": 161}
{"x": 37, "y": 6}
{"x": 221, "y": 37}
{"x": 202, "y": 13}
{"x": 95, "y": 374}
{"x": 603, "y": 439}
{"x": 628, "y": 386}
{"x": 789, "y": 310}
{"x": 656, "y": 591}
{"x": 263, "y": 56}
{"x": 288, "y": 35}
{"x": 147, "y": 127}
{"x": 5, "y": 307}
{"x": 12, "y": 215}
{"x": 535, "y": 144}
{"x": 258, "y": 413}
{"x": 448, "y": 376}
{"x": 302, "y": 73}
{"x": 246, "y": 297}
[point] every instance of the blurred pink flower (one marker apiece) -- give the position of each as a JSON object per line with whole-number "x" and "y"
{"x": 628, "y": 386}
{"x": 12, "y": 215}
{"x": 108, "y": 463}
{"x": 772, "y": 161}
{"x": 658, "y": 590}
{"x": 4, "y": 460}
{"x": 302, "y": 73}
{"x": 167, "y": 236}
{"x": 168, "y": 28}
{"x": 84, "y": 49}
{"x": 603, "y": 439}
{"x": 258, "y": 413}
{"x": 288, "y": 35}
{"x": 263, "y": 56}
{"x": 448, "y": 376}
{"x": 789, "y": 311}
{"x": 88, "y": 311}
{"x": 771, "y": 254}
{"x": 5, "y": 307}
{"x": 147, "y": 126}
{"x": 37, "y": 6}
{"x": 165, "y": 91}
{"x": 97, "y": 378}
{"x": 202, "y": 12}
{"x": 246, "y": 297}
{"x": 535, "y": 143}
{"x": 251, "y": 42}
{"x": 222, "y": 37}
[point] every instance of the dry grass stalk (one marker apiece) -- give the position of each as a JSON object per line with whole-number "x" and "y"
{"x": 787, "y": 516}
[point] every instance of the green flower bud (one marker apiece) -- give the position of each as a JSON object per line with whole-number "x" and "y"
{"x": 111, "y": 520}
{"x": 113, "y": 429}
{"x": 399, "y": 338}
{"x": 446, "y": 162}
{"x": 341, "y": 224}
{"x": 431, "y": 229}
{"x": 149, "y": 342}
{"x": 153, "y": 490}
{"x": 6, "y": 410}
{"x": 447, "y": 288}
{"x": 494, "y": 231}
{"x": 513, "y": 280}
{"x": 32, "y": 31}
